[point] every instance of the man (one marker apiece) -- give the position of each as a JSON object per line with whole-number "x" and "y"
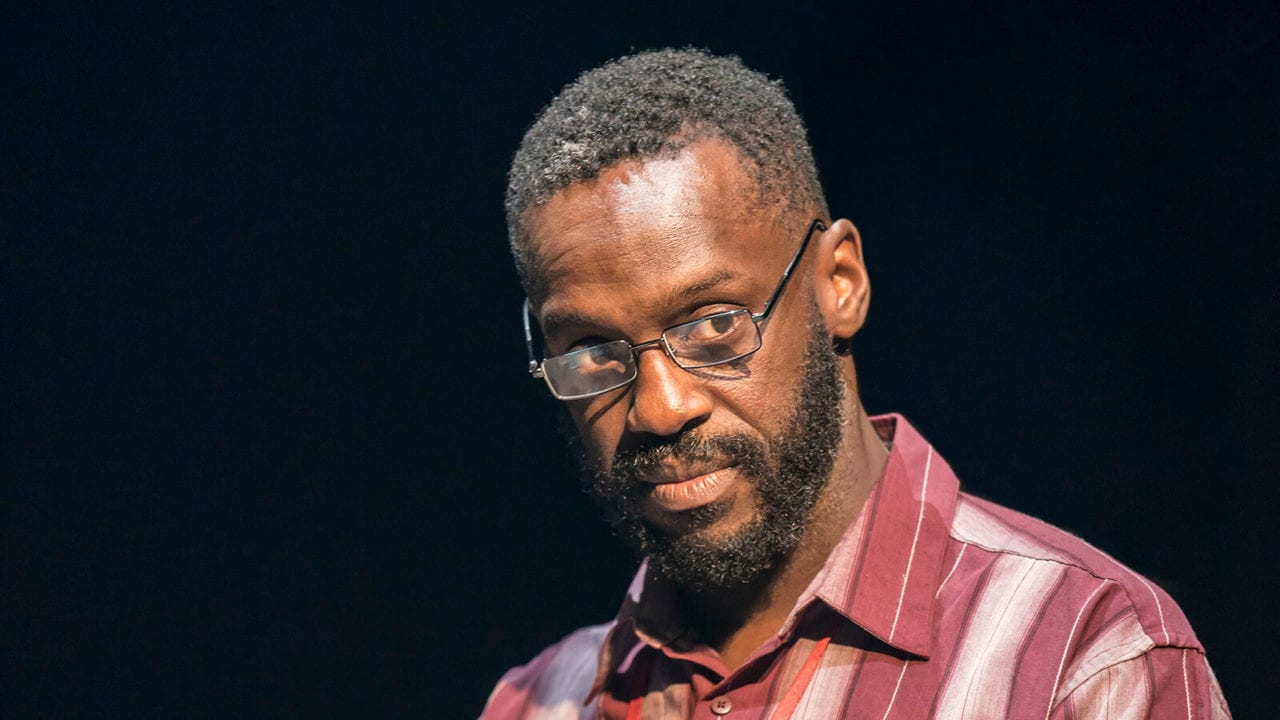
{"x": 801, "y": 559}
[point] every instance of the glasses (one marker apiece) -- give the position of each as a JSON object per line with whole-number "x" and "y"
{"x": 712, "y": 340}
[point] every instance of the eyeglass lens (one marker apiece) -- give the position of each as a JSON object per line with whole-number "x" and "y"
{"x": 590, "y": 370}
{"x": 707, "y": 341}
{"x": 714, "y": 339}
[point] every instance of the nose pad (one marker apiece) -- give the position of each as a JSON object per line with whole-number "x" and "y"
{"x": 665, "y": 398}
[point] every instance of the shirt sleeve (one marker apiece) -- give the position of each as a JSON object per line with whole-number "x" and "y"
{"x": 1164, "y": 682}
{"x": 554, "y": 685}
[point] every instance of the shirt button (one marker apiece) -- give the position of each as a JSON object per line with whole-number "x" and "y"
{"x": 721, "y": 705}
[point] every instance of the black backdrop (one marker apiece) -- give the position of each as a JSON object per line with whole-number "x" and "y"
{"x": 269, "y": 445}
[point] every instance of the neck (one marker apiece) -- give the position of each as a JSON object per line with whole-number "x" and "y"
{"x": 737, "y": 621}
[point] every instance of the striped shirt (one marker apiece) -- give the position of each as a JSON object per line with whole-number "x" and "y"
{"x": 937, "y": 605}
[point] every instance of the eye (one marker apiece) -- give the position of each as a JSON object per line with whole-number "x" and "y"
{"x": 714, "y": 339}
{"x": 714, "y": 327}
{"x": 597, "y": 356}
{"x": 721, "y": 324}
{"x": 604, "y": 358}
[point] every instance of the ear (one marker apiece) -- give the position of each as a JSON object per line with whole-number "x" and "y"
{"x": 840, "y": 280}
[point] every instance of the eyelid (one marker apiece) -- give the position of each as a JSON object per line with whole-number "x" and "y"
{"x": 581, "y": 344}
{"x": 715, "y": 309}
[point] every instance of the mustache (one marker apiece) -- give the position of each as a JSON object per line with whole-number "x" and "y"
{"x": 630, "y": 466}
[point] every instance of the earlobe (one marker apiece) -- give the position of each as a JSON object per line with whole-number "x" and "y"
{"x": 841, "y": 283}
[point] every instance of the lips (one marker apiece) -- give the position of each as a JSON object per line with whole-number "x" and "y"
{"x": 677, "y": 495}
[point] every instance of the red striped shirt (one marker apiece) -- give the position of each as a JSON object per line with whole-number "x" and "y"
{"x": 937, "y": 605}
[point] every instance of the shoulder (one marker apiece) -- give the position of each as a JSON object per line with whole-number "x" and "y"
{"x": 555, "y": 684}
{"x": 1083, "y": 624}
{"x": 1016, "y": 540}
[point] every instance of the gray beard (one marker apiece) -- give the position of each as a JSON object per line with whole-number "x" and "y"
{"x": 789, "y": 473}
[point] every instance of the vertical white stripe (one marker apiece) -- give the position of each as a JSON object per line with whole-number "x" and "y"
{"x": 1120, "y": 690}
{"x": 828, "y": 686}
{"x": 924, "y": 494}
{"x": 1186, "y": 683}
{"x": 1066, "y": 648}
{"x": 894, "y": 696}
{"x": 1159, "y": 609}
{"x": 1128, "y": 694}
{"x": 953, "y": 569}
{"x": 997, "y": 629}
{"x": 1125, "y": 638}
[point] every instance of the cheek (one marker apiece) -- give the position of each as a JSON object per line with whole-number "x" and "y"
{"x": 765, "y": 400}
{"x": 598, "y": 427}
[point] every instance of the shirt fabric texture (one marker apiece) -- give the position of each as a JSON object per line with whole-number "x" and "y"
{"x": 937, "y": 605}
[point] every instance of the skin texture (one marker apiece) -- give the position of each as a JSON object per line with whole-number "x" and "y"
{"x": 651, "y": 243}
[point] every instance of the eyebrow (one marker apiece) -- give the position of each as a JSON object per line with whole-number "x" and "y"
{"x": 557, "y": 321}
{"x": 709, "y": 283}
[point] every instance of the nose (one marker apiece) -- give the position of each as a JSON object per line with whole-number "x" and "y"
{"x": 665, "y": 398}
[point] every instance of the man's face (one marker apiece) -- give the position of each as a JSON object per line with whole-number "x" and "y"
{"x": 712, "y": 472}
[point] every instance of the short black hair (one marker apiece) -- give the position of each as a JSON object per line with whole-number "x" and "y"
{"x": 654, "y": 103}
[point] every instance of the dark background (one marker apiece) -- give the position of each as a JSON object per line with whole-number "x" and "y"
{"x": 269, "y": 446}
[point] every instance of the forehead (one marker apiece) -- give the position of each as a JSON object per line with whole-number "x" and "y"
{"x": 645, "y": 230}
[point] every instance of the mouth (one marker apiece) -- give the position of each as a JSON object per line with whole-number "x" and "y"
{"x": 679, "y": 495}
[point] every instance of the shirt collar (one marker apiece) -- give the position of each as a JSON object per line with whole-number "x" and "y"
{"x": 882, "y": 575}
{"x": 884, "y": 578}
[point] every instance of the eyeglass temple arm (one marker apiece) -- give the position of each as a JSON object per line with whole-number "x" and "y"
{"x": 817, "y": 224}
{"x": 535, "y": 368}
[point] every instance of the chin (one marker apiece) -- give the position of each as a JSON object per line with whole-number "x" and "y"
{"x": 716, "y": 558}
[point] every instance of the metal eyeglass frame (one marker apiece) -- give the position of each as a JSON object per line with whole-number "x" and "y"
{"x": 535, "y": 366}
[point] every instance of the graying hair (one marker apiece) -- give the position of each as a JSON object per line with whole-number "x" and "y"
{"x": 653, "y": 104}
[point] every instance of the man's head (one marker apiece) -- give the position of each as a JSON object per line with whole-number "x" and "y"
{"x": 714, "y": 472}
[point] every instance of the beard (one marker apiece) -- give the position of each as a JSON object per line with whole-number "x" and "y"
{"x": 788, "y": 472}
